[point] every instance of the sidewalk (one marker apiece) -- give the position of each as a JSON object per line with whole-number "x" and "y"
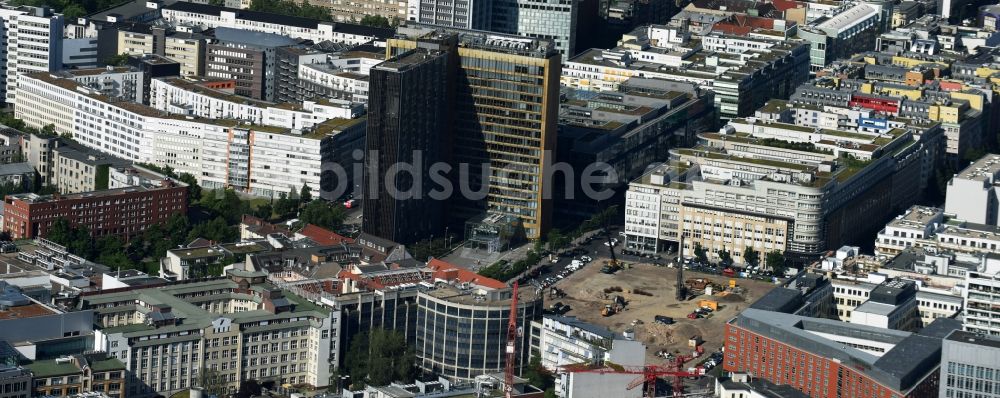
{"x": 476, "y": 259}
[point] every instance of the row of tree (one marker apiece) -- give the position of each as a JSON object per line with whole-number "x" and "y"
{"x": 774, "y": 260}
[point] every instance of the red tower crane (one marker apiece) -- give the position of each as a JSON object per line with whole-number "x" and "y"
{"x": 648, "y": 375}
{"x": 511, "y": 345}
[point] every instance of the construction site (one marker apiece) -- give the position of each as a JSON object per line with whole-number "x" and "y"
{"x": 641, "y": 302}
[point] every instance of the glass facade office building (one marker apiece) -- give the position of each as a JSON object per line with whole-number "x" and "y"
{"x": 462, "y": 334}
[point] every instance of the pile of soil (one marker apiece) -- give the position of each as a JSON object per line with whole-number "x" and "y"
{"x": 732, "y": 298}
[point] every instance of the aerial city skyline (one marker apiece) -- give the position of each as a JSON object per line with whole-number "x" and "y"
{"x": 505, "y": 198}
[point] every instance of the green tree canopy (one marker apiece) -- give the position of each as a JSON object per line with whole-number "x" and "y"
{"x": 324, "y": 214}
{"x": 751, "y": 256}
{"x": 379, "y": 358}
{"x": 775, "y": 260}
{"x": 700, "y": 253}
{"x": 376, "y": 21}
{"x": 557, "y": 240}
{"x": 725, "y": 258}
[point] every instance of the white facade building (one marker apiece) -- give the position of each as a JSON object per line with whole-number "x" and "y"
{"x": 554, "y": 20}
{"x": 208, "y": 16}
{"x": 919, "y": 222}
{"x": 189, "y": 98}
{"x": 974, "y": 194}
{"x": 32, "y": 42}
{"x": 288, "y": 146}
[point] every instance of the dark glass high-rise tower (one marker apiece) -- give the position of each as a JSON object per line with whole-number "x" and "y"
{"x": 408, "y": 129}
{"x": 503, "y": 113}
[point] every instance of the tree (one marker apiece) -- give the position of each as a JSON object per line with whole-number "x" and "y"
{"x": 537, "y": 375}
{"x": 751, "y": 256}
{"x": 557, "y": 240}
{"x": 379, "y": 358}
{"x": 264, "y": 211}
{"x": 48, "y": 130}
{"x": 73, "y": 11}
{"x": 324, "y": 214}
{"x": 211, "y": 381}
{"x": 284, "y": 207}
{"x": 376, "y": 21}
{"x": 305, "y": 194}
{"x": 76, "y": 239}
{"x": 775, "y": 260}
{"x": 117, "y": 60}
{"x": 225, "y": 204}
{"x": 194, "y": 190}
{"x": 217, "y": 230}
{"x": 700, "y": 253}
{"x": 248, "y": 389}
{"x": 725, "y": 259}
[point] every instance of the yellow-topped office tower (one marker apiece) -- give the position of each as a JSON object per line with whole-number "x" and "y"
{"x": 504, "y": 94}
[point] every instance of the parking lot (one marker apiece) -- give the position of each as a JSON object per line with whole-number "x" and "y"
{"x": 650, "y": 291}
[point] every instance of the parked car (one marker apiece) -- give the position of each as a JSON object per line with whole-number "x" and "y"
{"x": 666, "y": 320}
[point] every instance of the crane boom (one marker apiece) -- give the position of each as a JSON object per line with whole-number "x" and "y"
{"x": 511, "y": 345}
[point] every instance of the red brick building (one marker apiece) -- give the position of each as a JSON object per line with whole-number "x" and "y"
{"x": 119, "y": 212}
{"x": 833, "y": 359}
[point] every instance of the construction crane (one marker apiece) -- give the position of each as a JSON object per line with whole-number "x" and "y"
{"x": 648, "y": 375}
{"x": 511, "y": 345}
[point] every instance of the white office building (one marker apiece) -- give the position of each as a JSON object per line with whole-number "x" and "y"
{"x": 919, "y": 222}
{"x": 183, "y": 13}
{"x": 288, "y": 146}
{"x": 192, "y": 98}
{"x": 32, "y": 42}
{"x": 974, "y": 193}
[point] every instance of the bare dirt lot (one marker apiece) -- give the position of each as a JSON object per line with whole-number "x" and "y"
{"x": 650, "y": 291}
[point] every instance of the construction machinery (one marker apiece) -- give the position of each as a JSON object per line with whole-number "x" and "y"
{"x": 511, "y": 345}
{"x": 617, "y": 305}
{"x": 611, "y": 266}
{"x": 704, "y": 303}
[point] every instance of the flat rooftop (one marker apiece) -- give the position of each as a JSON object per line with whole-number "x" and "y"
{"x": 465, "y": 297}
{"x": 912, "y": 357}
{"x": 917, "y": 217}
{"x": 973, "y": 338}
{"x": 26, "y": 311}
{"x": 985, "y": 169}
{"x": 36, "y": 198}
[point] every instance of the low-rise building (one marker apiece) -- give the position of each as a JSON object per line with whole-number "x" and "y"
{"x": 76, "y": 374}
{"x": 742, "y": 385}
{"x": 484, "y": 309}
{"x": 919, "y": 222}
{"x": 15, "y": 381}
{"x": 848, "y": 358}
{"x": 119, "y": 212}
{"x": 562, "y": 340}
{"x": 890, "y": 305}
{"x": 167, "y": 335}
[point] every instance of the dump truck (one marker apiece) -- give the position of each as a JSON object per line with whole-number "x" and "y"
{"x": 712, "y": 304}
